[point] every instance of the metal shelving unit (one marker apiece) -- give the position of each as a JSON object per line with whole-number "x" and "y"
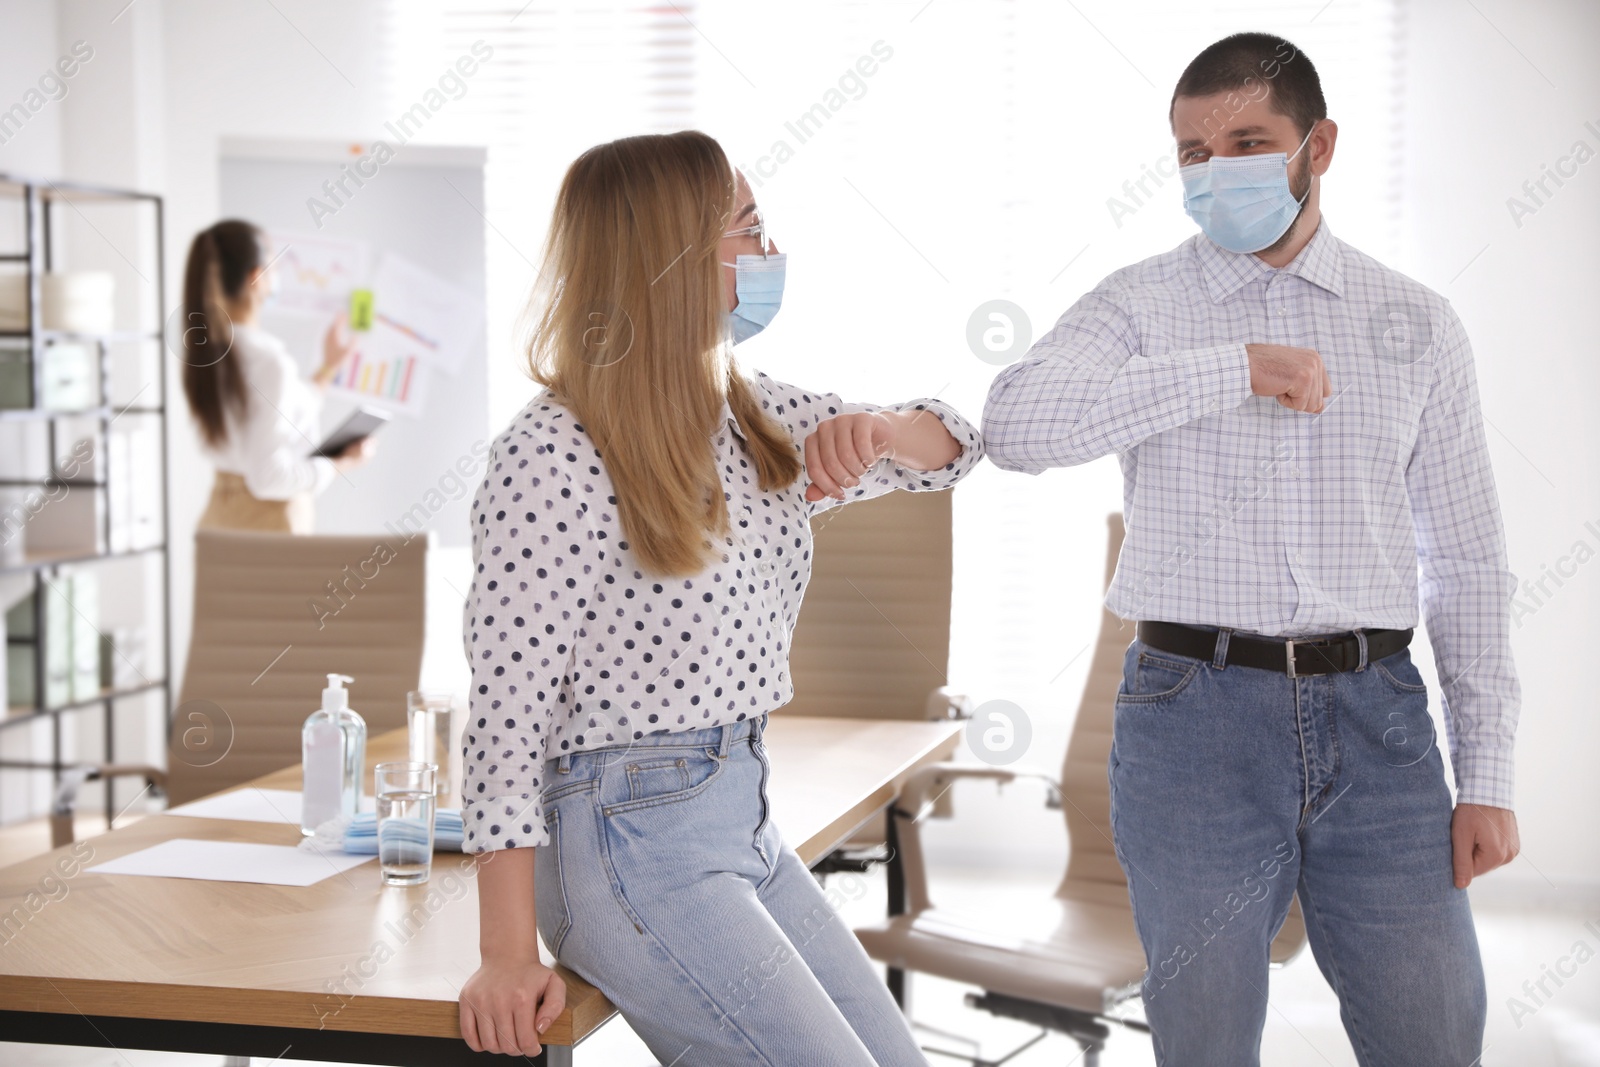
{"x": 41, "y": 201}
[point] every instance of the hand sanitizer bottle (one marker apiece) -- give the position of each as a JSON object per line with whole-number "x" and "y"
{"x": 333, "y": 750}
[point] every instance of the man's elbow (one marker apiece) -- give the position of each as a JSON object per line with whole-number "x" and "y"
{"x": 1019, "y": 469}
{"x": 1035, "y": 457}
{"x": 1018, "y": 461}
{"x": 1013, "y": 439}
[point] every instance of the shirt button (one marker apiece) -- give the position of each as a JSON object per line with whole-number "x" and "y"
{"x": 1214, "y": 405}
{"x": 1298, "y": 558}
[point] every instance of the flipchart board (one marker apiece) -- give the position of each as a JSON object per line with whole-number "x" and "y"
{"x": 409, "y": 230}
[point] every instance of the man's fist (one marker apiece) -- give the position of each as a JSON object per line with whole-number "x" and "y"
{"x": 1482, "y": 838}
{"x": 1295, "y": 376}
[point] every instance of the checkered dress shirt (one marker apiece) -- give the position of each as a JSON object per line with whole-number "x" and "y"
{"x": 1246, "y": 514}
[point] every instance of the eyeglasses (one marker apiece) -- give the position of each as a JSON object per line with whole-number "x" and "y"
{"x": 758, "y": 231}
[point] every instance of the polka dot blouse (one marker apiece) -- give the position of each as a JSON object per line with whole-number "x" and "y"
{"x": 574, "y": 647}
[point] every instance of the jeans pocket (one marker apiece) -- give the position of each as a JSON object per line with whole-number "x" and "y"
{"x": 1150, "y": 677}
{"x": 551, "y": 913}
{"x": 1399, "y": 672}
{"x": 667, "y": 777}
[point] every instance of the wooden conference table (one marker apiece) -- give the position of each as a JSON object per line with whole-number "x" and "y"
{"x": 345, "y": 970}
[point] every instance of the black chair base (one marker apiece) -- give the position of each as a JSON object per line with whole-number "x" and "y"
{"x": 1086, "y": 1028}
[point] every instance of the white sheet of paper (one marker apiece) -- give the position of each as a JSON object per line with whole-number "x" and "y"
{"x": 315, "y": 273}
{"x": 419, "y": 314}
{"x": 252, "y": 805}
{"x": 231, "y": 861}
{"x": 248, "y": 804}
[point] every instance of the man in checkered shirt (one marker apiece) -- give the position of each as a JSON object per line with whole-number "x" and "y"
{"x": 1299, "y": 431}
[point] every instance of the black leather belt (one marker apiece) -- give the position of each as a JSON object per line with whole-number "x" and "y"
{"x": 1315, "y": 655}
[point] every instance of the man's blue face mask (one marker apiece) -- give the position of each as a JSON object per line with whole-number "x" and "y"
{"x": 1243, "y": 203}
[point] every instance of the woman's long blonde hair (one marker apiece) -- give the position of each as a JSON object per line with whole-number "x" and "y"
{"x": 626, "y": 327}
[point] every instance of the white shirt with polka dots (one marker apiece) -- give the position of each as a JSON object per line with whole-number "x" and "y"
{"x": 574, "y": 647}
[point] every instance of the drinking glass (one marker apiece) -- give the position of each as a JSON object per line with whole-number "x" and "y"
{"x": 431, "y": 727}
{"x": 404, "y": 792}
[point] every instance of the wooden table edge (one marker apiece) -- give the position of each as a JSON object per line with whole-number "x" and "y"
{"x": 400, "y": 1016}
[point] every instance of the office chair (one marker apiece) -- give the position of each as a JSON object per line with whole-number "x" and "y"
{"x": 273, "y": 616}
{"x": 1071, "y": 963}
{"x": 873, "y": 637}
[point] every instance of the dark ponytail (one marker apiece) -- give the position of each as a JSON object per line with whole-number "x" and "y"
{"x": 221, "y": 260}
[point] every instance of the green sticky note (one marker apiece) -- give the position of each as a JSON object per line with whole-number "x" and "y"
{"x": 361, "y": 309}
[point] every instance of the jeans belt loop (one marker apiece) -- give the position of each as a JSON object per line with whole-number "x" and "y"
{"x": 1219, "y": 658}
{"x": 1288, "y": 646}
{"x": 564, "y": 763}
{"x": 1361, "y": 643}
{"x": 722, "y": 745}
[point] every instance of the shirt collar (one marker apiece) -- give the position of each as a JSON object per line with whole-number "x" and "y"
{"x": 1319, "y": 262}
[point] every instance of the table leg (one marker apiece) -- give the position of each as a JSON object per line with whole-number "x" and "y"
{"x": 894, "y": 868}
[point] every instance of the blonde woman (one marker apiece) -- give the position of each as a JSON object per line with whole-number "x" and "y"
{"x": 642, "y": 542}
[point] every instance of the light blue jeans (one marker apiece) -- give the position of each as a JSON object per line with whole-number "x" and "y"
{"x": 666, "y": 885}
{"x": 1232, "y": 788}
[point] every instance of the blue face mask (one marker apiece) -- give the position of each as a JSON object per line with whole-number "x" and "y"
{"x": 758, "y": 283}
{"x": 1243, "y": 203}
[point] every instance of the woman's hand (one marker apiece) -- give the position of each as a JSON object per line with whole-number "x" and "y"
{"x": 355, "y": 454}
{"x": 508, "y": 1002}
{"x": 841, "y": 449}
{"x": 337, "y": 344}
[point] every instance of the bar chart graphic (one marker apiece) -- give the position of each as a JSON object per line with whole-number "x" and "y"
{"x": 421, "y": 324}
{"x": 395, "y": 381}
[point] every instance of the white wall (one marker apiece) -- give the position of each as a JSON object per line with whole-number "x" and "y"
{"x": 27, "y": 50}
{"x": 1492, "y": 99}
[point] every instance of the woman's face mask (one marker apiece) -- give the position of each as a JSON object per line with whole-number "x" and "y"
{"x": 758, "y": 283}
{"x": 1243, "y": 203}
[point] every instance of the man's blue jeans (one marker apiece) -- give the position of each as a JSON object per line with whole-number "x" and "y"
{"x": 1233, "y": 788}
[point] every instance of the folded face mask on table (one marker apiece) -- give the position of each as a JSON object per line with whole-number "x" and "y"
{"x": 358, "y": 834}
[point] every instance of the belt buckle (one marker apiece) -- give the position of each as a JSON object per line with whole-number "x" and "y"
{"x": 1288, "y": 647}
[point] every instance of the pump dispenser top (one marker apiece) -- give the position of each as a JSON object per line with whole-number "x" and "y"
{"x": 336, "y": 697}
